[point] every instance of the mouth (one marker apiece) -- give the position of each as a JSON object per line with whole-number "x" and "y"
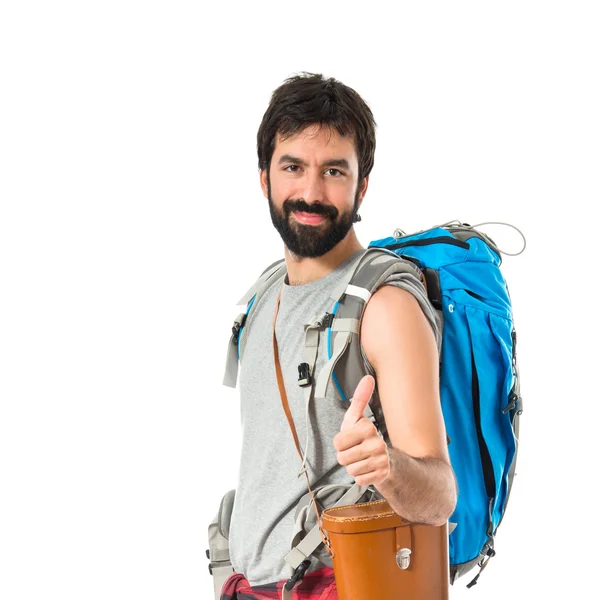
{"x": 309, "y": 218}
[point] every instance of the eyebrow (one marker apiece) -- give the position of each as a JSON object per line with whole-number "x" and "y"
{"x": 334, "y": 162}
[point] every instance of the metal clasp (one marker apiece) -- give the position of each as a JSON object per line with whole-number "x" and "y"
{"x": 403, "y": 558}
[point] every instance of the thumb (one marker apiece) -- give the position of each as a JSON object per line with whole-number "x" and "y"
{"x": 362, "y": 395}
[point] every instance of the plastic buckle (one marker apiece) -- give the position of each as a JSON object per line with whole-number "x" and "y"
{"x": 304, "y": 377}
{"x": 486, "y": 553}
{"x": 298, "y": 575}
{"x": 515, "y": 402}
{"x": 236, "y": 328}
{"x": 519, "y": 406}
{"x": 327, "y": 319}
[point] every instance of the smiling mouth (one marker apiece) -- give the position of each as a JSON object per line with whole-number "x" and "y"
{"x": 309, "y": 218}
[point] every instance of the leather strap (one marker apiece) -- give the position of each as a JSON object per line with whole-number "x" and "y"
{"x": 288, "y": 414}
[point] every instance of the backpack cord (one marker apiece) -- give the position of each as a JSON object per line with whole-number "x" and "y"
{"x": 400, "y": 233}
{"x": 508, "y": 225}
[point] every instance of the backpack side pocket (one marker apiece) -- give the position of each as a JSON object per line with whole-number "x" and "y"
{"x": 492, "y": 373}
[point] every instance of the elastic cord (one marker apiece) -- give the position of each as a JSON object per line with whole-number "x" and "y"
{"x": 457, "y": 222}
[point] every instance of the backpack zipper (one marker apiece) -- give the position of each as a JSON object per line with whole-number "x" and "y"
{"x": 486, "y": 461}
{"x": 427, "y": 242}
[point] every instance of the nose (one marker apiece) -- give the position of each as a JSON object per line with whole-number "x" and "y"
{"x": 313, "y": 189}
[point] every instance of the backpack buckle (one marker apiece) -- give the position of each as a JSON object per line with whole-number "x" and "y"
{"x": 327, "y": 320}
{"x": 237, "y": 326}
{"x": 304, "y": 377}
{"x": 486, "y": 553}
{"x": 298, "y": 575}
{"x": 514, "y": 404}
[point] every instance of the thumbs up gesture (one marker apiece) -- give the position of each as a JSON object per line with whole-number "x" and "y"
{"x": 359, "y": 446}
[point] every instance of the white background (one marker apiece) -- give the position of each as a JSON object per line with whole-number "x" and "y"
{"x": 132, "y": 221}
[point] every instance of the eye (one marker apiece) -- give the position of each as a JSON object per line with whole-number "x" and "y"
{"x": 292, "y": 167}
{"x": 336, "y": 172}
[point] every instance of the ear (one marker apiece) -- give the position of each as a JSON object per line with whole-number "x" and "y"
{"x": 363, "y": 190}
{"x": 263, "y": 182}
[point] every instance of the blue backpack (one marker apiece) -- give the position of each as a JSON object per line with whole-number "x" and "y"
{"x": 479, "y": 380}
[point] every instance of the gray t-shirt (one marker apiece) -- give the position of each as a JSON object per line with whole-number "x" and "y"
{"x": 269, "y": 488}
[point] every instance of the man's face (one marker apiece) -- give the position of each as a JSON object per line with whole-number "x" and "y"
{"x": 313, "y": 192}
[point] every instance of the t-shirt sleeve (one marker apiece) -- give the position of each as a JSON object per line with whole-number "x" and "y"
{"x": 410, "y": 283}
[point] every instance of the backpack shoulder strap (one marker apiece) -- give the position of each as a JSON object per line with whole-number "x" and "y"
{"x": 259, "y": 284}
{"x": 270, "y": 274}
{"x": 346, "y": 363}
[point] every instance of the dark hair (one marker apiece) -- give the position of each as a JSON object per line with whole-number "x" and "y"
{"x": 309, "y": 98}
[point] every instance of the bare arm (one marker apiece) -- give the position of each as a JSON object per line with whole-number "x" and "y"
{"x": 400, "y": 345}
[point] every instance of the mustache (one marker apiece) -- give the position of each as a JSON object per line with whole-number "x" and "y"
{"x": 328, "y": 211}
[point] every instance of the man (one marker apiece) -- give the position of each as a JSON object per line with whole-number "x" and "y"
{"x": 316, "y": 148}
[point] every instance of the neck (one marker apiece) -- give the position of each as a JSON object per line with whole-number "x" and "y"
{"x": 304, "y": 270}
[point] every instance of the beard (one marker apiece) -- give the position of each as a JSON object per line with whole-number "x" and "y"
{"x": 311, "y": 241}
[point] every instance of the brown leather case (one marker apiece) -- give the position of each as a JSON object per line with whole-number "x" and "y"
{"x": 368, "y": 541}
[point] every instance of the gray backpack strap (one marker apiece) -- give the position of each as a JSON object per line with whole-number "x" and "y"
{"x": 269, "y": 275}
{"x": 306, "y": 375}
{"x": 232, "y": 362}
{"x": 306, "y": 539}
{"x": 218, "y": 544}
{"x": 347, "y": 359}
{"x": 370, "y": 276}
{"x": 259, "y": 283}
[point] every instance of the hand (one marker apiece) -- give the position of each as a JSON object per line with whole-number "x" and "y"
{"x": 359, "y": 446}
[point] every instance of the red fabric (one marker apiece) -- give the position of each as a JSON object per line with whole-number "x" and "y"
{"x": 318, "y": 585}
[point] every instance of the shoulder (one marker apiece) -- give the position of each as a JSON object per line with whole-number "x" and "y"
{"x": 394, "y": 321}
{"x": 390, "y": 305}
